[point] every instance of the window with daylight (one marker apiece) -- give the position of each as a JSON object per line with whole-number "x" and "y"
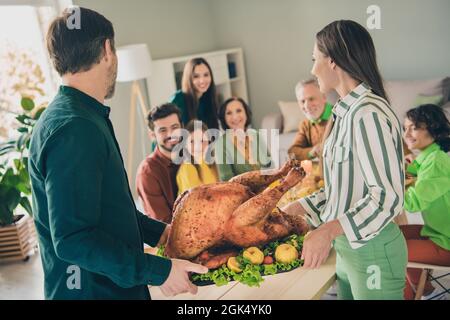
{"x": 25, "y": 68}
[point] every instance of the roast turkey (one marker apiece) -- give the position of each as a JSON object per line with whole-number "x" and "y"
{"x": 212, "y": 222}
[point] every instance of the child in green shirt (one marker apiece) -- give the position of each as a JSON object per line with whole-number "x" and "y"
{"x": 427, "y": 130}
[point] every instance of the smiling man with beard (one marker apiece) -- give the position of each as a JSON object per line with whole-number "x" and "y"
{"x": 156, "y": 176}
{"x": 91, "y": 235}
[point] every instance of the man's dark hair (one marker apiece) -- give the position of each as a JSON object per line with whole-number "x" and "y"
{"x": 75, "y": 50}
{"x": 160, "y": 112}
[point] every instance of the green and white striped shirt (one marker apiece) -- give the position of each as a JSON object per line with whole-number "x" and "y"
{"x": 363, "y": 168}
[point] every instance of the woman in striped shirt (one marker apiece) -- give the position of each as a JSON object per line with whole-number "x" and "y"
{"x": 363, "y": 172}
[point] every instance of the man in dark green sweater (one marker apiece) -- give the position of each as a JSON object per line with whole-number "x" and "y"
{"x": 91, "y": 234}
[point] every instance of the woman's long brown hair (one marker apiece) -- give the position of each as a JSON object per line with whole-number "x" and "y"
{"x": 190, "y": 96}
{"x": 351, "y": 47}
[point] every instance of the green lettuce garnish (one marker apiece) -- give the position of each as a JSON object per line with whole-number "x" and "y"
{"x": 251, "y": 274}
{"x": 270, "y": 269}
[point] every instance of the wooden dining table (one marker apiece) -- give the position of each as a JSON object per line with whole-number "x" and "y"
{"x": 297, "y": 284}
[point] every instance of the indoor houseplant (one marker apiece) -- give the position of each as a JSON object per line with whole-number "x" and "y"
{"x": 17, "y": 235}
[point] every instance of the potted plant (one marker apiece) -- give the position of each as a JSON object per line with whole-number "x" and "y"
{"x": 17, "y": 236}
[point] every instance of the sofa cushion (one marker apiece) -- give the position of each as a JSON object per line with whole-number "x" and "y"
{"x": 402, "y": 94}
{"x": 273, "y": 121}
{"x": 292, "y": 115}
{"x": 285, "y": 142}
{"x": 423, "y": 99}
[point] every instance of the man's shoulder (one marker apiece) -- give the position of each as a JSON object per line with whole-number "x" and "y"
{"x": 55, "y": 123}
{"x": 150, "y": 166}
{"x": 304, "y": 125}
{"x": 52, "y": 126}
{"x": 147, "y": 163}
{"x": 63, "y": 111}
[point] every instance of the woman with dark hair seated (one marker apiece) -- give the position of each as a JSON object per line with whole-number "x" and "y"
{"x": 240, "y": 149}
{"x": 427, "y": 130}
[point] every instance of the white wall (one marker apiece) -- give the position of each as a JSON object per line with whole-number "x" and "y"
{"x": 278, "y": 35}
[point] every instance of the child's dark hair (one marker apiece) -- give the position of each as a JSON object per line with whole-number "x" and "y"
{"x": 223, "y": 111}
{"x": 434, "y": 120}
{"x": 194, "y": 124}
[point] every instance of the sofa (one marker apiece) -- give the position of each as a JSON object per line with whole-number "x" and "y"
{"x": 403, "y": 95}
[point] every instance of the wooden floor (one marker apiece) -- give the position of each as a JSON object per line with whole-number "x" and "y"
{"x": 22, "y": 280}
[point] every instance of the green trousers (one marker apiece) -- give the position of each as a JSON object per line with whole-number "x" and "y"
{"x": 376, "y": 271}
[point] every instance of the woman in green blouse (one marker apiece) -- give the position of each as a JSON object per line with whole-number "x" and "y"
{"x": 427, "y": 130}
{"x": 239, "y": 149}
{"x": 197, "y": 98}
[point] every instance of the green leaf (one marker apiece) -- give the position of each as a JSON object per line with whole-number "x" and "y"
{"x": 25, "y": 120}
{"x": 24, "y": 176}
{"x": 17, "y": 164}
{"x": 23, "y": 129}
{"x": 25, "y": 203}
{"x": 12, "y": 199}
{"x": 25, "y": 164}
{"x": 23, "y": 187}
{"x": 7, "y": 148}
{"x": 3, "y": 191}
{"x": 9, "y": 178}
{"x": 6, "y": 216}
{"x": 38, "y": 113}
{"x": 22, "y": 142}
{"x": 27, "y": 104}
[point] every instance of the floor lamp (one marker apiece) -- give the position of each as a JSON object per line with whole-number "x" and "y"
{"x": 134, "y": 65}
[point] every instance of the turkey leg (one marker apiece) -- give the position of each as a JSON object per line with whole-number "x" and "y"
{"x": 248, "y": 225}
{"x": 259, "y": 180}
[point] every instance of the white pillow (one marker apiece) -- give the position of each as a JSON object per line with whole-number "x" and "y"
{"x": 402, "y": 93}
{"x": 292, "y": 115}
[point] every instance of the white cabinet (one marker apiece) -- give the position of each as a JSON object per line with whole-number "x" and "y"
{"x": 227, "y": 68}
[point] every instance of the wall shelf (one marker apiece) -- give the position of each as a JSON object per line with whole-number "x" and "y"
{"x": 227, "y": 66}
